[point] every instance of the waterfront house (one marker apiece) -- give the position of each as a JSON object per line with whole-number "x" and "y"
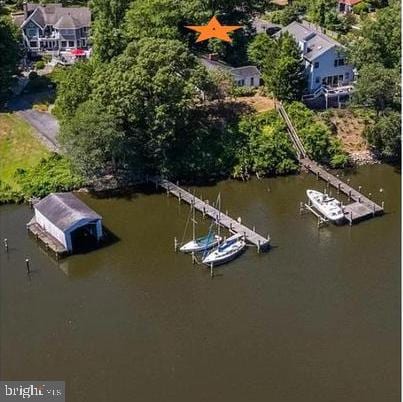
{"x": 246, "y": 76}
{"x": 326, "y": 67}
{"x": 51, "y": 28}
{"x": 64, "y": 222}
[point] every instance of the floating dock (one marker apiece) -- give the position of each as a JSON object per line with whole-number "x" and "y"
{"x": 261, "y": 242}
{"x": 361, "y": 208}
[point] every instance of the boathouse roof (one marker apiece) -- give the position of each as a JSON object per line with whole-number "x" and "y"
{"x": 64, "y": 210}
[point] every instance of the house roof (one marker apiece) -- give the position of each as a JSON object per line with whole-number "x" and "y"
{"x": 64, "y": 210}
{"x": 58, "y": 16}
{"x": 238, "y": 72}
{"x": 316, "y": 42}
{"x": 261, "y": 26}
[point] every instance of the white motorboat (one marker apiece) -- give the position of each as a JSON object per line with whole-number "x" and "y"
{"x": 227, "y": 251}
{"x": 201, "y": 244}
{"x": 326, "y": 205}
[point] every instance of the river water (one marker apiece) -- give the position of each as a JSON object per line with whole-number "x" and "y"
{"x": 317, "y": 318}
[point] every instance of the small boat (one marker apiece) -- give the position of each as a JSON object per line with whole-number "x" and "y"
{"x": 326, "y": 205}
{"x": 227, "y": 251}
{"x": 201, "y": 244}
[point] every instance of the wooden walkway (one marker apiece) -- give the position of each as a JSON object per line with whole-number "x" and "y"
{"x": 47, "y": 239}
{"x": 261, "y": 242}
{"x": 361, "y": 207}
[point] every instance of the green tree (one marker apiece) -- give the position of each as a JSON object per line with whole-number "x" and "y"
{"x": 94, "y": 140}
{"x": 10, "y": 53}
{"x": 73, "y": 88}
{"x": 377, "y": 87}
{"x": 151, "y": 88}
{"x": 282, "y": 66}
{"x": 385, "y": 136}
{"x": 379, "y": 40}
{"x": 107, "y": 30}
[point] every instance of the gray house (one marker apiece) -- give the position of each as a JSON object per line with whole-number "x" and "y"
{"x": 247, "y": 76}
{"x": 52, "y": 27}
{"x": 326, "y": 67}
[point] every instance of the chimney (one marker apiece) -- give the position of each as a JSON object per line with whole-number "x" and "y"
{"x": 303, "y": 46}
{"x": 25, "y": 9}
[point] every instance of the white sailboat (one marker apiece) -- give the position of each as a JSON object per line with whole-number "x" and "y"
{"x": 227, "y": 251}
{"x": 203, "y": 243}
{"x": 326, "y": 205}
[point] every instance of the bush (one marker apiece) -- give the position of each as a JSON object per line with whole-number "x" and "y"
{"x": 243, "y": 91}
{"x": 266, "y": 148}
{"x": 40, "y": 65}
{"x": 7, "y": 194}
{"x": 51, "y": 174}
{"x": 316, "y": 136}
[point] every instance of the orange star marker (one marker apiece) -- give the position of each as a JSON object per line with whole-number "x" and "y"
{"x": 213, "y": 30}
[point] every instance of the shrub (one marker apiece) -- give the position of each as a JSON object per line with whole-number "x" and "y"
{"x": 243, "y": 91}
{"x": 316, "y": 136}
{"x": 39, "y": 65}
{"x": 51, "y": 174}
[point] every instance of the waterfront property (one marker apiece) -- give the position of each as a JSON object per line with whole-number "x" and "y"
{"x": 51, "y": 28}
{"x": 246, "y": 76}
{"x": 64, "y": 223}
{"x": 326, "y": 68}
{"x": 361, "y": 208}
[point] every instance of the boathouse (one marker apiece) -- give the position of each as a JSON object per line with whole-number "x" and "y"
{"x": 64, "y": 222}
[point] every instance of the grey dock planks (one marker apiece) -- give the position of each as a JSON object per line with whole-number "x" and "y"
{"x": 224, "y": 220}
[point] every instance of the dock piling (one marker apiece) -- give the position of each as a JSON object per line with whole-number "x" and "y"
{"x": 175, "y": 244}
{"x": 211, "y": 271}
{"x": 5, "y": 241}
{"x": 27, "y": 263}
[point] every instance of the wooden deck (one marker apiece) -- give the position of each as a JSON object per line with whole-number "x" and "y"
{"x": 261, "y": 242}
{"x": 46, "y": 238}
{"x": 361, "y": 207}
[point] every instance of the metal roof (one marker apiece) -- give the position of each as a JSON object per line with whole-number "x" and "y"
{"x": 239, "y": 72}
{"x": 317, "y": 42}
{"x": 64, "y": 210}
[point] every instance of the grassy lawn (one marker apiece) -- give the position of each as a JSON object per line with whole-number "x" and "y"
{"x": 19, "y": 148}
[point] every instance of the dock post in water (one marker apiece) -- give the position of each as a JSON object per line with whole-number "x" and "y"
{"x": 5, "y": 241}
{"x": 27, "y": 263}
{"x": 175, "y": 244}
{"x": 211, "y": 271}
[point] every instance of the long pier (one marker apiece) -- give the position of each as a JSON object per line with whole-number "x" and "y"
{"x": 361, "y": 208}
{"x": 261, "y": 242}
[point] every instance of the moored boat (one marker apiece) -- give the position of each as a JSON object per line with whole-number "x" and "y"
{"x": 227, "y": 251}
{"x": 201, "y": 244}
{"x": 326, "y": 205}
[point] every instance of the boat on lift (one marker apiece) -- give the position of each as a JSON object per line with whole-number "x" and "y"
{"x": 328, "y": 206}
{"x": 227, "y": 251}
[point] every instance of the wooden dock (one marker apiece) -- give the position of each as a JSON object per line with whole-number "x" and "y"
{"x": 261, "y": 242}
{"x": 47, "y": 239}
{"x": 361, "y": 208}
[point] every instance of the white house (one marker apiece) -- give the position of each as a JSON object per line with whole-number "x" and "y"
{"x": 67, "y": 219}
{"x": 247, "y": 76}
{"x": 325, "y": 61}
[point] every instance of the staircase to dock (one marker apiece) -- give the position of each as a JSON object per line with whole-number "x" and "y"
{"x": 361, "y": 208}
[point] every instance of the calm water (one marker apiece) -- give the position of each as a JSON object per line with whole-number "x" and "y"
{"x": 317, "y": 318}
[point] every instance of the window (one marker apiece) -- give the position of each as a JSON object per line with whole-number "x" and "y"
{"x": 84, "y": 43}
{"x": 338, "y": 62}
{"x": 33, "y": 44}
{"x": 241, "y": 83}
{"x": 347, "y": 76}
{"x": 64, "y": 43}
{"x": 340, "y": 78}
{"x": 31, "y": 32}
{"x": 316, "y": 64}
{"x": 71, "y": 43}
{"x": 252, "y": 81}
{"x": 317, "y": 80}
